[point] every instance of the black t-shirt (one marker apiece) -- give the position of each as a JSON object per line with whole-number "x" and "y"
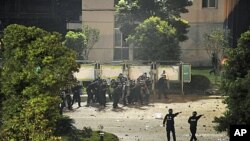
{"x": 169, "y": 119}
{"x": 193, "y": 120}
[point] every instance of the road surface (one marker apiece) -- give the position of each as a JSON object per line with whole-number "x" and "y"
{"x": 144, "y": 123}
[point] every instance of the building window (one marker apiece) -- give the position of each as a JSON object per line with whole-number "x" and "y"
{"x": 121, "y": 53}
{"x": 209, "y": 3}
{"x": 121, "y": 50}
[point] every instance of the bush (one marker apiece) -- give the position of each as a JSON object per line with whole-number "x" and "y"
{"x": 235, "y": 86}
{"x": 64, "y": 126}
{"x": 36, "y": 66}
{"x": 87, "y": 132}
{"x": 199, "y": 84}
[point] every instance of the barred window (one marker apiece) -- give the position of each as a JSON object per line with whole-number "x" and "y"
{"x": 121, "y": 50}
{"x": 209, "y": 3}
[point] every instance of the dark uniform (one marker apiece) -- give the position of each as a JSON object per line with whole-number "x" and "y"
{"x": 91, "y": 88}
{"x": 169, "y": 119}
{"x": 215, "y": 63}
{"x": 77, "y": 92}
{"x": 102, "y": 92}
{"x": 116, "y": 95}
{"x": 62, "y": 104}
{"x": 131, "y": 96}
{"x": 193, "y": 124}
{"x": 68, "y": 98}
{"x": 162, "y": 86}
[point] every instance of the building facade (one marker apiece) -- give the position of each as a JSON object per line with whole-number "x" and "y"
{"x": 203, "y": 16}
{"x": 99, "y": 14}
{"x": 62, "y": 15}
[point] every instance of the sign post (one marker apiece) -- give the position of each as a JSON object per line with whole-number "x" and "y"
{"x": 186, "y": 75}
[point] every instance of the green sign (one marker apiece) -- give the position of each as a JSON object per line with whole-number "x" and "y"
{"x": 186, "y": 73}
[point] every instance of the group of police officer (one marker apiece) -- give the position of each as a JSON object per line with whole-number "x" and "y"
{"x": 121, "y": 89}
{"x": 128, "y": 92}
{"x": 169, "y": 122}
{"x": 67, "y": 100}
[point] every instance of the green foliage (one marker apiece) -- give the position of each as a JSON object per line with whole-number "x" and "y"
{"x": 215, "y": 42}
{"x": 236, "y": 85}
{"x": 36, "y": 66}
{"x": 87, "y": 132}
{"x": 1, "y": 48}
{"x": 82, "y": 41}
{"x": 1, "y": 97}
{"x": 214, "y": 79}
{"x": 64, "y": 126}
{"x": 77, "y": 42}
{"x": 130, "y": 12}
{"x": 156, "y": 40}
{"x": 92, "y": 35}
{"x": 79, "y": 136}
{"x": 198, "y": 85}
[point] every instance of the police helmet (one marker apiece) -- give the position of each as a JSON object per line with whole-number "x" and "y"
{"x": 119, "y": 84}
{"x": 170, "y": 110}
{"x": 194, "y": 113}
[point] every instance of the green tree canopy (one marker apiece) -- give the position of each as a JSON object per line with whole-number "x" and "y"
{"x": 132, "y": 12}
{"x": 236, "y": 86}
{"x": 77, "y": 42}
{"x": 36, "y": 66}
{"x": 215, "y": 43}
{"x": 157, "y": 38}
{"x": 82, "y": 41}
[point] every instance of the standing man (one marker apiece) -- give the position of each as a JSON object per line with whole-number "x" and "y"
{"x": 91, "y": 89}
{"x": 161, "y": 86}
{"x": 77, "y": 92}
{"x": 117, "y": 94}
{"x": 169, "y": 119}
{"x": 193, "y": 124}
{"x": 215, "y": 64}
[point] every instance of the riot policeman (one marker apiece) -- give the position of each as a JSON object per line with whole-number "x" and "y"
{"x": 68, "y": 98}
{"x": 77, "y": 92}
{"x": 169, "y": 121}
{"x": 91, "y": 90}
{"x": 162, "y": 86}
{"x": 102, "y": 92}
{"x": 132, "y": 94}
{"x": 193, "y": 124}
{"x": 117, "y": 94}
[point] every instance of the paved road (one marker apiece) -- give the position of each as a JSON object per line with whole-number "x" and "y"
{"x": 144, "y": 123}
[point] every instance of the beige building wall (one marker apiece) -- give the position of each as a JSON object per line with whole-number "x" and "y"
{"x": 100, "y": 14}
{"x": 201, "y": 20}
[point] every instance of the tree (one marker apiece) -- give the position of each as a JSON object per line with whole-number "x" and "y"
{"x": 36, "y": 66}
{"x": 77, "y": 42}
{"x": 1, "y": 48}
{"x": 92, "y": 35}
{"x": 1, "y": 95}
{"x": 236, "y": 86}
{"x": 132, "y": 12}
{"x": 82, "y": 41}
{"x": 157, "y": 38}
{"x": 215, "y": 43}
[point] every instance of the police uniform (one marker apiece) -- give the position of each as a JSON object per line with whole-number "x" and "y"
{"x": 161, "y": 86}
{"x": 193, "y": 124}
{"x": 90, "y": 92}
{"x": 116, "y": 95}
{"x": 77, "y": 91}
{"x": 169, "y": 121}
